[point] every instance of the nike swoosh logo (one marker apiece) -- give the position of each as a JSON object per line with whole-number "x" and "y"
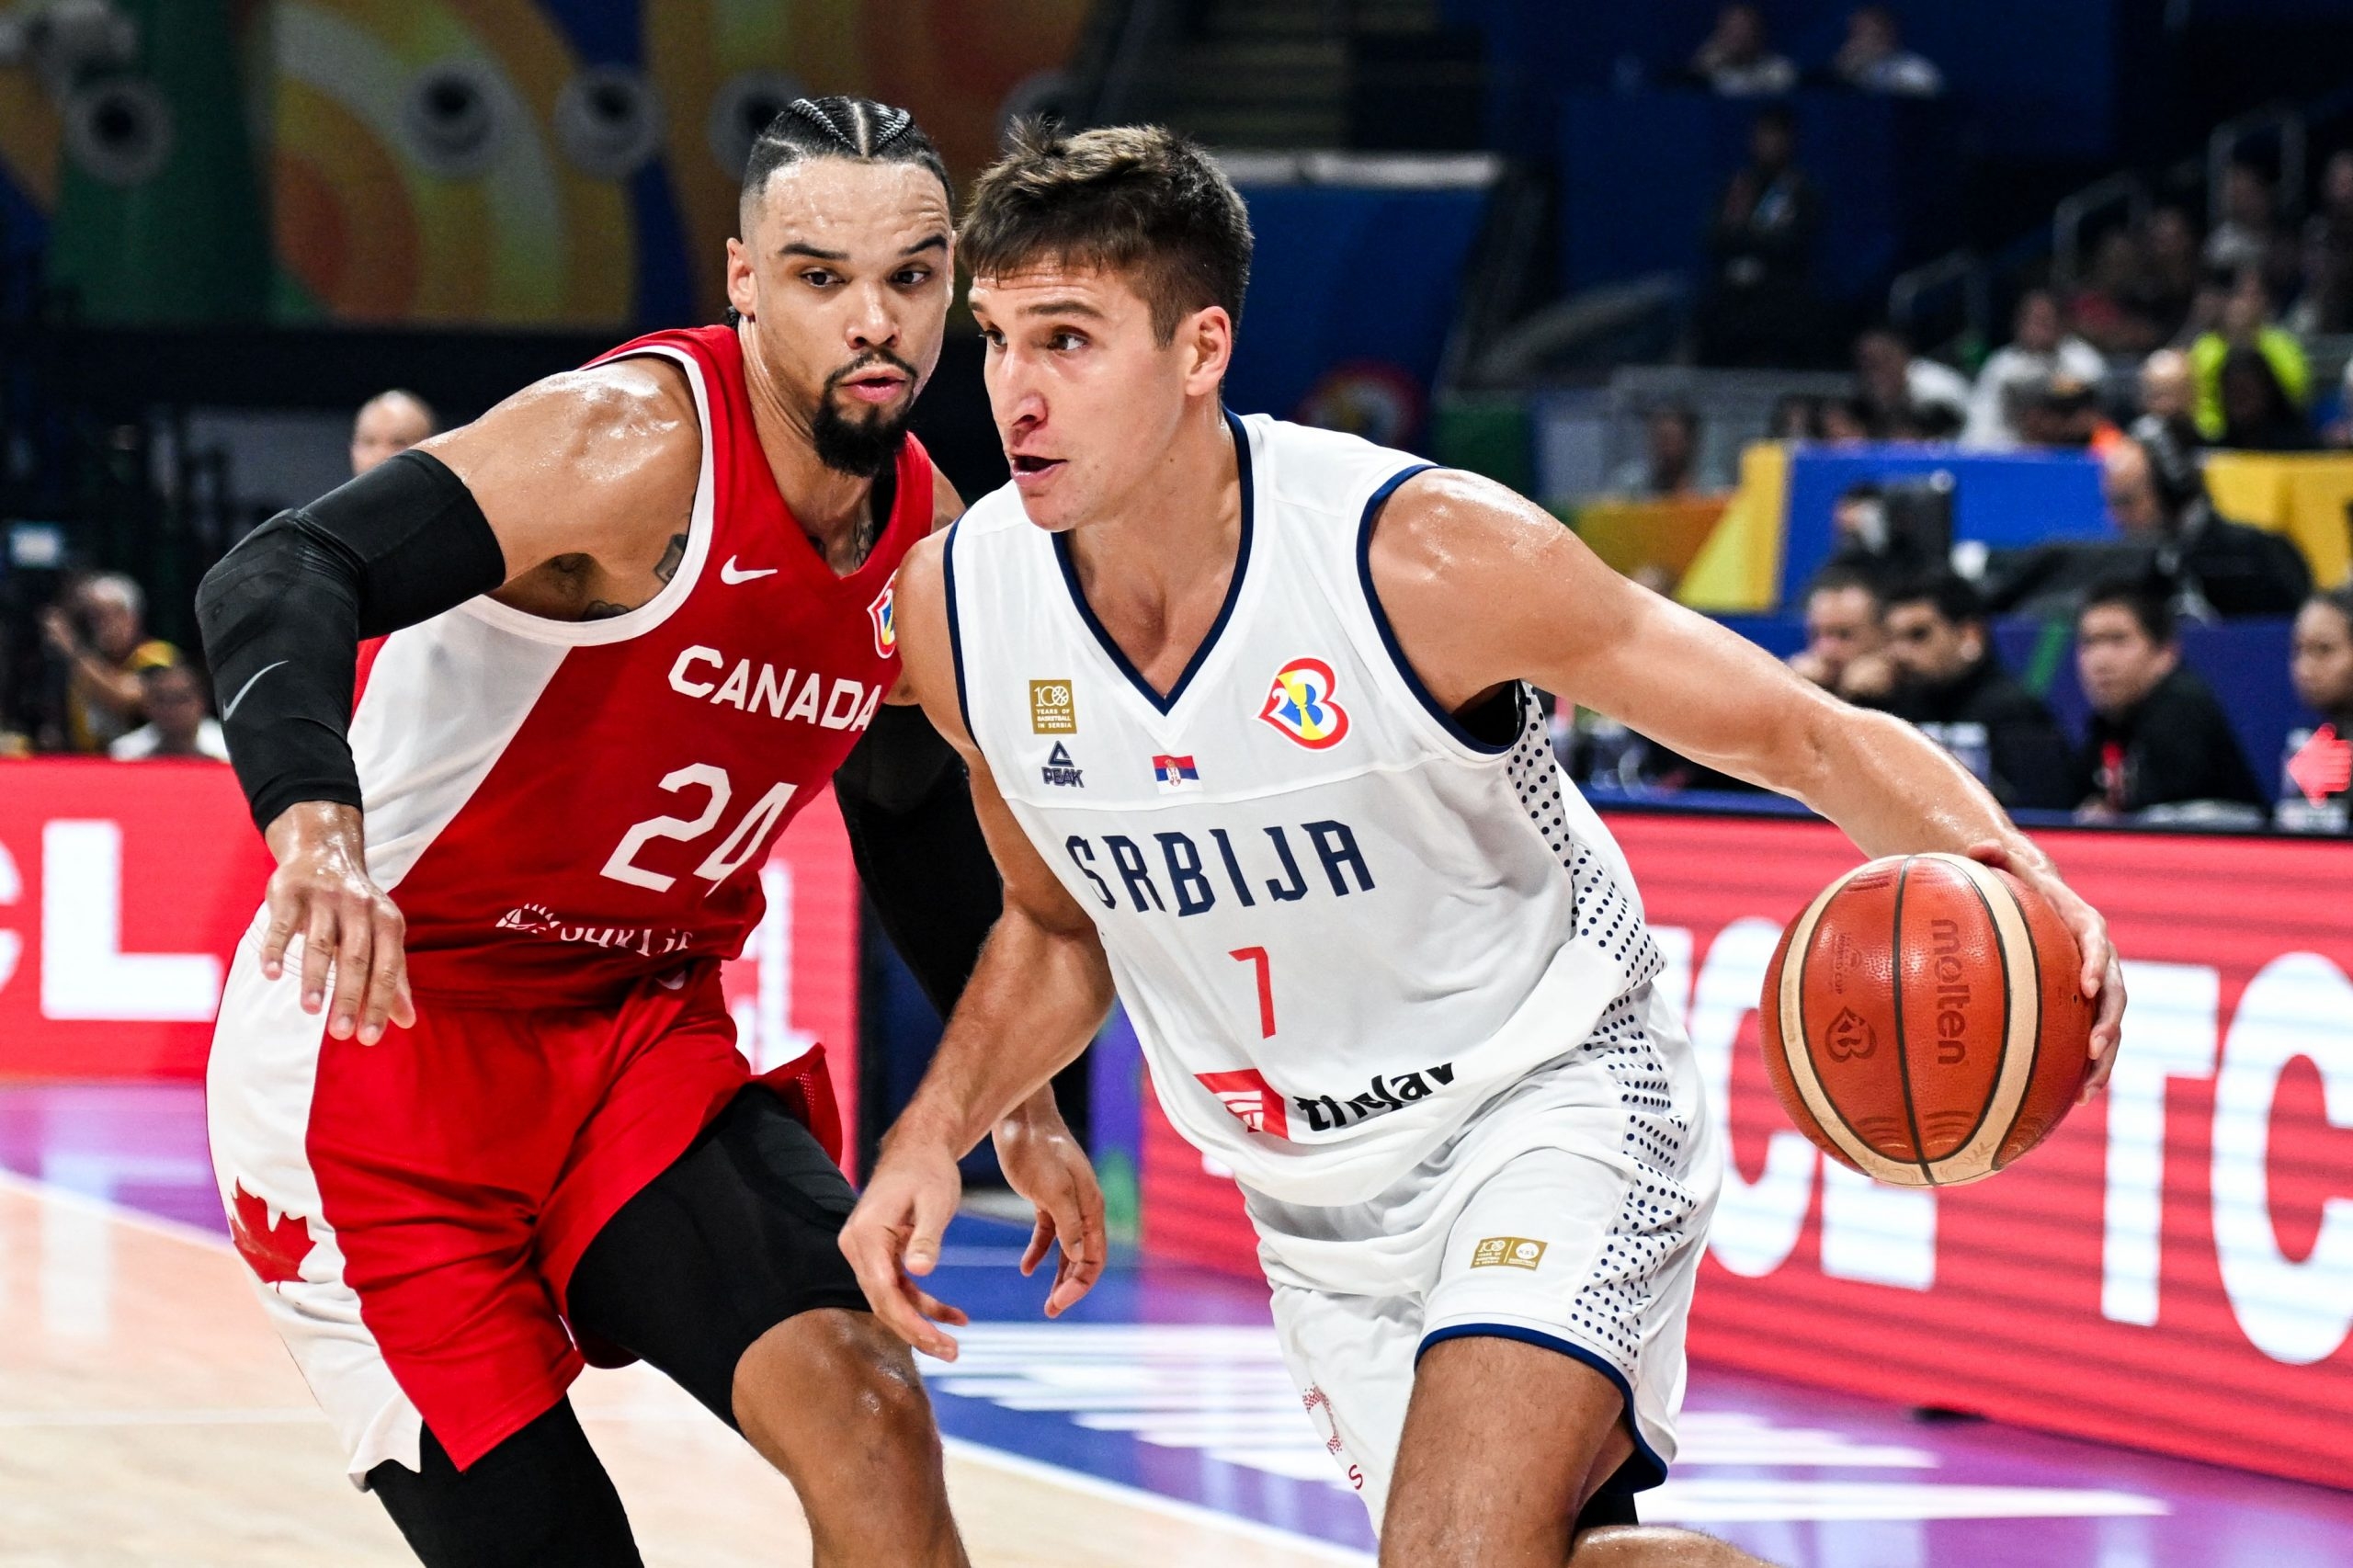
{"x": 730, "y": 573}
{"x": 231, "y": 711}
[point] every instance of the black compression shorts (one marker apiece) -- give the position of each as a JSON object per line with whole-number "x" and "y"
{"x": 738, "y": 1234}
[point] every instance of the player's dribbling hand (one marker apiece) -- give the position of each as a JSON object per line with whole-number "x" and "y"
{"x": 2103, "y": 974}
{"x": 894, "y": 1231}
{"x": 322, "y": 892}
{"x": 1044, "y": 1164}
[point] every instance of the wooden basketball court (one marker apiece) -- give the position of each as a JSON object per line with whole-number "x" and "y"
{"x": 148, "y": 1416}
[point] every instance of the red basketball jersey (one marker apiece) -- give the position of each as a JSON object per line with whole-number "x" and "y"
{"x": 563, "y": 808}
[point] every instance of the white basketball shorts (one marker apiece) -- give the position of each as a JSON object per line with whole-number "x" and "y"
{"x": 1569, "y": 1212}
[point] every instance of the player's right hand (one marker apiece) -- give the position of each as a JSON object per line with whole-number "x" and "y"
{"x": 322, "y": 892}
{"x": 895, "y": 1232}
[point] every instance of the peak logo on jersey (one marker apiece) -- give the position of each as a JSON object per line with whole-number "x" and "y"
{"x": 1060, "y": 770}
{"x": 1299, "y": 704}
{"x": 886, "y": 628}
{"x": 1053, "y": 708}
{"x": 1508, "y": 1252}
{"x": 1176, "y": 774}
{"x": 1253, "y": 1100}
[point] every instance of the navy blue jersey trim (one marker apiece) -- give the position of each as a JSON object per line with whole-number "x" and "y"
{"x": 955, "y": 630}
{"x": 1452, "y": 725}
{"x": 1640, "y": 1473}
{"x": 1225, "y": 611}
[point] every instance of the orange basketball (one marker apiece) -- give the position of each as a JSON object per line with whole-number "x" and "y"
{"x": 1924, "y": 1019}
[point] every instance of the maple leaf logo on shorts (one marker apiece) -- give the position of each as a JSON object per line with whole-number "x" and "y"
{"x": 274, "y": 1251}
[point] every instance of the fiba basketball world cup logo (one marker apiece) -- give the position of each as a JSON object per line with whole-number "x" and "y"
{"x": 1849, "y": 1037}
{"x": 1299, "y": 704}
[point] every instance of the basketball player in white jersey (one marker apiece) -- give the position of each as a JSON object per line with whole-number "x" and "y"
{"x": 1247, "y": 713}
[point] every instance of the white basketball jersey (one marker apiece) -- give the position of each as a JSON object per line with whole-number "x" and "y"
{"x": 1338, "y": 920}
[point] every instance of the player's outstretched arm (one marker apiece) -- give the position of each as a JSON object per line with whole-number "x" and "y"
{"x": 1484, "y": 587}
{"x": 1041, "y": 989}
{"x": 598, "y": 465}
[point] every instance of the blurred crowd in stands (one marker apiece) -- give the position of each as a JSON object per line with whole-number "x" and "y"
{"x": 1738, "y": 60}
{"x": 2166, "y": 341}
{"x": 2158, "y": 747}
{"x": 94, "y": 683}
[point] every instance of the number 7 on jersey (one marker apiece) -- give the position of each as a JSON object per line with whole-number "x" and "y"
{"x": 1257, "y": 956}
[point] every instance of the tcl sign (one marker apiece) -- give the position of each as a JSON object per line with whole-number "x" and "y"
{"x": 124, "y": 887}
{"x": 2173, "y": 1269}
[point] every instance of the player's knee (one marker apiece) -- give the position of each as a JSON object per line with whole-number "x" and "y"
{"x": 853, "y": 1366}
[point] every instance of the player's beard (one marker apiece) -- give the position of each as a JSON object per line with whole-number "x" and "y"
{"x": 861, "y": 443}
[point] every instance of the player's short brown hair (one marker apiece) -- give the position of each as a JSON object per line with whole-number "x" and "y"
{"x": 1138, "y": 199}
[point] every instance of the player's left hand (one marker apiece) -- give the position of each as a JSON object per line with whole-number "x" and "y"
{"x": 2103, "y": 974}
{"x": 1042, "y": 1161}
{"x": 895, "y": 1232}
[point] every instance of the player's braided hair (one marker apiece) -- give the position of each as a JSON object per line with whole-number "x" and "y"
{"x": 834, "y": 127}
{"x": 838, "y": 127}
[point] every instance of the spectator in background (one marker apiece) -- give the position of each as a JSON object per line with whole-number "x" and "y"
{"x": 2108, "y": 309}
{"x": 2257, "y": 414}
{"x": 2040, "y": 348}
{"x": 1864, "y": 545}
{"x": 1951, "y": 684}
{"x": 1736, "y": 59}
{"x": 1670, "y": 461}
{"x": 1848, "y": 421}
{"x": 2249, "y": 237}
{"x": 2064, "y": 412}
{"x": 1760, "y": 309}
{"x": 2316, "y": 793}
{"x": 176, "y": 723}
{"x": 2157, "y": 495}
{"x": 2167, "y": 400}
{"x": 1795, "y": 417}
{"x": 2171, "y": 270}
{"x": 1845, "y": 650}
{"x": 1924, "y": 400}
{"x": 388, "y": 424}
{"x": 2158, "y": 737}
{"x": 2338, "y": 432}
{"x": 2244, "y": 322}
{"x": 1873, "y": 59}
{"x": 99, "y": 632}
{"x": 2326, "y": 304}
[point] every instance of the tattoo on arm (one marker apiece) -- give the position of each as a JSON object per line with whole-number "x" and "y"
{"x": 668, "y": 568}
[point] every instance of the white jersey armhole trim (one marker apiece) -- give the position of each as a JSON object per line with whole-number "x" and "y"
{"x": 662, "y": 606}
{"x": 1450, "y": 728}
{"x": 955, "y": 627}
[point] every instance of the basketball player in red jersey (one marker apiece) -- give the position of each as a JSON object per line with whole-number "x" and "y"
{"x": 476, "y": 1106}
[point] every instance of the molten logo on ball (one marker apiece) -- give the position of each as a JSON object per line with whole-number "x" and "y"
{"x": 1849, "y": 1037}
{"x": 1952, "y": 993}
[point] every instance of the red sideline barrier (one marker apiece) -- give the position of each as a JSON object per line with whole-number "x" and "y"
{"x": 125, "y": 886}
{"x": 2173, "y": 1270}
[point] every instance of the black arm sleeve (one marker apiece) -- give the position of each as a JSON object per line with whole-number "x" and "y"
{"x": 283, "y": 615}
{"x": 908, "y": 807}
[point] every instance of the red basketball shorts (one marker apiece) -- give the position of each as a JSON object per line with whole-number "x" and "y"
{"x": 411, "y": 1211}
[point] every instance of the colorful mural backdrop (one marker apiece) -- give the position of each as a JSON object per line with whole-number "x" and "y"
{"x": 453, "y": 161}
